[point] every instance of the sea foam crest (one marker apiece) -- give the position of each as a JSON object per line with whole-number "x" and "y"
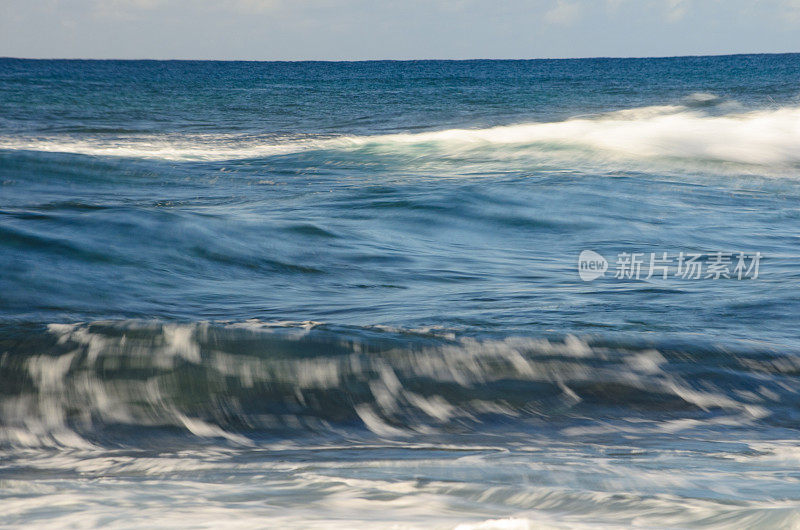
{"x": 699, "y": 129}
{"x": 80, "y": 382}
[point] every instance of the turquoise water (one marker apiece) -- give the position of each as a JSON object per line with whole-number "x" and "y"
{"x": 348, "y": 294}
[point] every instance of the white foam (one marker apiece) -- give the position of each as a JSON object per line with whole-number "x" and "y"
{"x": 763, "y": 138}
{"x": 189, "y": 148}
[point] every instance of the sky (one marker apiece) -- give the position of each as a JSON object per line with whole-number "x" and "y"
{"x": 394, "y": 29}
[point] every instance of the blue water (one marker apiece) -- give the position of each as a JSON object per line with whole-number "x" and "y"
{"x": 348, "y": 295}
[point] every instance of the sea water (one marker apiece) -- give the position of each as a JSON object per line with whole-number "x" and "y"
{"x": 349, "y": 294}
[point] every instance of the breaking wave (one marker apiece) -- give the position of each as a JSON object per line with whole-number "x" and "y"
{"x": 703, "y": 128}
{"x": 115, "y": 382}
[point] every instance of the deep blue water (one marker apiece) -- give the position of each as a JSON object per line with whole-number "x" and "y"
{"x": 347, "y": 294}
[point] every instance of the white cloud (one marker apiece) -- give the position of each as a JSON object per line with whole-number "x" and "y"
{"x": 676, "y": 9}
{"x": 251, "y": 6}
{"x": 127, "y": 8}
{"x": 564, "y": 12}
{"x": 792, "y": 9}
{"x": 125, "y": 5}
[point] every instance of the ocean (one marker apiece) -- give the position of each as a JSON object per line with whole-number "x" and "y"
{"x": 416, "y": 294}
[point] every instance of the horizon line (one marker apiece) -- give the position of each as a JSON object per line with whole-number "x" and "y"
{"x": 400, "y": 60}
